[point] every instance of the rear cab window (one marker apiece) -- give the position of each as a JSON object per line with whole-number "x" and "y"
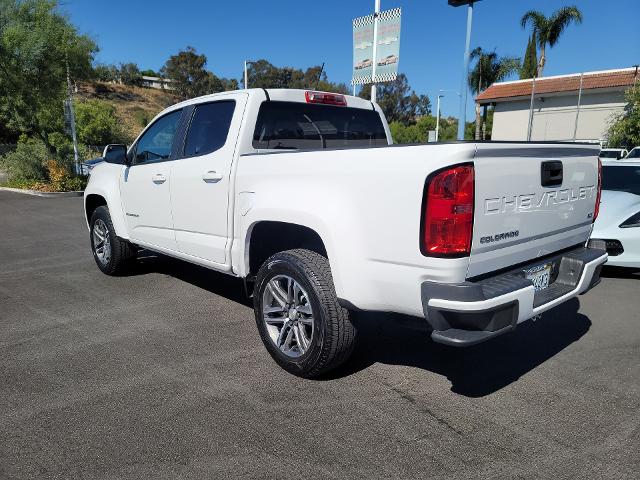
{"x": 303, "y": 126}
{"x": 209, "y": 127}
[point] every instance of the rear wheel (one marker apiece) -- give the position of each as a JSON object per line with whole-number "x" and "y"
{"x": 298, "y": 316}
{"x": 111, "y": 253}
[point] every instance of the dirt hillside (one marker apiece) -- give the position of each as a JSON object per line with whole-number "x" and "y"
{"x": 135, "y": 106}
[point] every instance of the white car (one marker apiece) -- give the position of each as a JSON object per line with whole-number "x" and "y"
{"x": 612, "y": 153}
{"x": 302, "y": 195}
{"x": 634, "y": 154}
{"x": 618, "y": 224}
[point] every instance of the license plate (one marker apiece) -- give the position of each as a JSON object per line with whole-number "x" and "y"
{"x": 539, "y": 275}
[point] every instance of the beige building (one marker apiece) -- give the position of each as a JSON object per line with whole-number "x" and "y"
{"x": 157, "y": 83}
{"x": 577, "y": 107}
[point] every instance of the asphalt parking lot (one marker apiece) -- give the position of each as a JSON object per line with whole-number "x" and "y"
{"x": 161, "y": 374}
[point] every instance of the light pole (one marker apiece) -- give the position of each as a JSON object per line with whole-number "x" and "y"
{"x": 440, "y": 95}
{"x": 376, "y": 13}
{"x": 438, "y": 117}
{"x": 462, "y": 117}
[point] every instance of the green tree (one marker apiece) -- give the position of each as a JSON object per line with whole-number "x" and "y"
{"x": 149, "y": 73}
{"x": 488, "y": 69}
{"x": 130, "y": 74}
{"x": 96, "y": 123}
{"x": 548, "y": 30}
{"x": 191, "y": 78}
{"x": 418, "y": 132}
{"x": 36, "y": 45}
{"x": 625, "y": 128}
{"x": 263, "y": 74}
{"x": 106, "y": 73}
{"x": 530, "y": 62}
{"x": 186, "y": 70}
{"x": 398, "y": 102}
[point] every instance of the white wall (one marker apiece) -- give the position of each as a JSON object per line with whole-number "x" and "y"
{"x": 554, "y": 116}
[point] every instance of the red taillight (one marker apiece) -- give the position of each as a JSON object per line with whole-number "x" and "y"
{"x": 596, "y": 210}
{"x": 448, "y": 213}
{"x": 326, "y": 98}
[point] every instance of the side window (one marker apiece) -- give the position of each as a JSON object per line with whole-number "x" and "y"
{"x": 155, "y": 144}
{"x": 209, "y": 127}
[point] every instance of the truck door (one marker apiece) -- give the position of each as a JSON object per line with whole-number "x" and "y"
{"x": 145, "y": 185}
{"x": 200, "y": 179}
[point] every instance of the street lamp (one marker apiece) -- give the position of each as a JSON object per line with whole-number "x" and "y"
{"x": 462, "y": 118}
{"x": 440, "y": 95}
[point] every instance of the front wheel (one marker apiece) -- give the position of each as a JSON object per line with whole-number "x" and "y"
{"x": 298, "y": 316}
{"x": 111, "y": 253}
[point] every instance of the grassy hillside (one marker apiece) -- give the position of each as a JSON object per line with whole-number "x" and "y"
{"x": 135, "y": 106}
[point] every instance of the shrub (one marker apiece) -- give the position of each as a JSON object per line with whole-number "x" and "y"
{"x": 141, "y": 117}
{"x": 96, "y": 123}
{"x": 60, "y": 180}
{"x": 27, "y": 161}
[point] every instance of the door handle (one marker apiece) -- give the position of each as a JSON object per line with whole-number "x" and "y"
{"x": 211, "y": 177}
{"x": 159, "y": 178}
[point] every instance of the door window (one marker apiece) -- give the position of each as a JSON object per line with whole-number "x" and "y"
{"x": 209, "y": 128}
{"x": 155, "y": 144}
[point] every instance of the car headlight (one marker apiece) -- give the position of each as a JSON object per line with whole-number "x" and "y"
{"x": 633, "y": 221}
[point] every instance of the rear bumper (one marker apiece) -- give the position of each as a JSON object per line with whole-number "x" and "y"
{"x": 475, "y": 311}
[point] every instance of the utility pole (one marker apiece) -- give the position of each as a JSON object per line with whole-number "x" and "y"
{"x": 465, "y": 69}
{"x": 319, "y": 76}
{"x": 462, "y": 117}
{"x": 575, "y": 127}
{"x": 72, "y": 120}
{"x": 533, "y": 94}
{"x": 246, "y": 76}
{"x": 376, "y": 13}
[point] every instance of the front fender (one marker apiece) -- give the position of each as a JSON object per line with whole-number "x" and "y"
{"x": 105, "y": 182}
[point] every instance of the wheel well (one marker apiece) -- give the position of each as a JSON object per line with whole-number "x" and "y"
{"x": 93, "y": 201}
{"x": 268, "y": 238}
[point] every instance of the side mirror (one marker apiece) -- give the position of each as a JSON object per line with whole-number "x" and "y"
{"x": 115, "y": 153}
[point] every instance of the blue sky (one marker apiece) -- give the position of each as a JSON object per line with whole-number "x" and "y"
{"x": 304, "y": 33}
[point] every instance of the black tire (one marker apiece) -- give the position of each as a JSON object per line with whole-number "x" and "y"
{"x": 121, "y": 251}
{"x": 333, "y": 335}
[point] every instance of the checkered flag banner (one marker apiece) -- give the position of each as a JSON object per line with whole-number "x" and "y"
{"x": 363, "y": 21}
{"x": 361, "y": 80}
{"x": 386, "y": 77}
{"x": 389, "y": 15}
{"x": 387, "y": 49}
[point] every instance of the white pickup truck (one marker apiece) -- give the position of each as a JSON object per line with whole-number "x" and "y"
{"x": 303, "y": 195}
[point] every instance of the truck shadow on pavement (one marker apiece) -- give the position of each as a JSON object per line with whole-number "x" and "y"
{"x": 620, "y": 272}
{"x": 473, "y": 371}
{"x": 217, "y": 283}
{"x": 395, "y": 339}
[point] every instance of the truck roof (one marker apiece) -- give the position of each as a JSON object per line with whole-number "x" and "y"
{"x": 279, "y": 94}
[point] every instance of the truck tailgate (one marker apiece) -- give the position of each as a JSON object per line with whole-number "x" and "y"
{"x": 530, "y": 200}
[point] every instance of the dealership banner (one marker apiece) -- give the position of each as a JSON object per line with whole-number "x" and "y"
{"x": 387, "y": 49}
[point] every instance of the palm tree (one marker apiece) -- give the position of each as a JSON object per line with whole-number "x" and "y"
{"x": 489, "y": 68}
{"x": 549, "y": 29}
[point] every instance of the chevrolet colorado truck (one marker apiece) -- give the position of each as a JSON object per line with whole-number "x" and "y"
{"x": 303, "y": 195}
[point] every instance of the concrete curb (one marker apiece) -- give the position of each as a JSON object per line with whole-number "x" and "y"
{"x": 36, "y": 193}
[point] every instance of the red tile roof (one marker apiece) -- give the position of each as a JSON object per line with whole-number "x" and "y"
{"x": 564, "y": 83}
